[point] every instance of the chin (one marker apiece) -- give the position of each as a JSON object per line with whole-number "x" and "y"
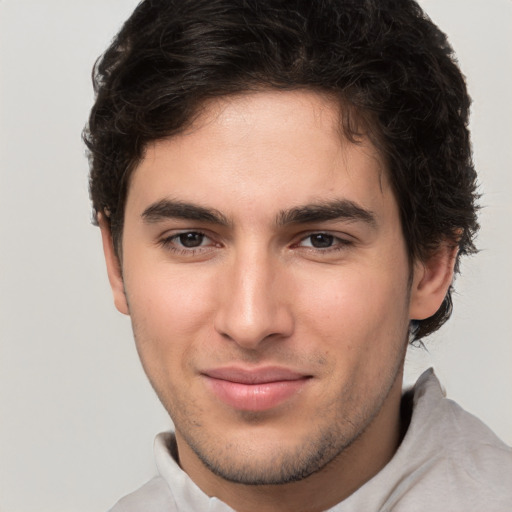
{"x": 260, "y": 459}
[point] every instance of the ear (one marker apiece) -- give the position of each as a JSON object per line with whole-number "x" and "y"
{"x": 431, "y": 281}
{"x": 114, "y": 271}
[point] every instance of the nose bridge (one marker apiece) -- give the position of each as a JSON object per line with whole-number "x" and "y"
{"x": 252, "y": 306}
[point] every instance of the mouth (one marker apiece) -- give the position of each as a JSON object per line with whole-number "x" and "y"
{"x": 255, "y": 389}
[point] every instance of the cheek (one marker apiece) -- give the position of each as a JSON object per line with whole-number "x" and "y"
{"x": 169, "y": 310}
{"x": 170, "y": 297}
{"x": 358, "y": 311}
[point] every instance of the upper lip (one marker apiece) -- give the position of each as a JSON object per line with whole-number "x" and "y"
{"x": 254, "y": 375}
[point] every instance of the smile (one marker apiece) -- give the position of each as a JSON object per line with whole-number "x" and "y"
{"x": 249, "y": 390}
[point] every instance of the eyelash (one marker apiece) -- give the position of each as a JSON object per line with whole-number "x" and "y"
{"x": 339, "y": 244}
{"x": 168, "y": 243}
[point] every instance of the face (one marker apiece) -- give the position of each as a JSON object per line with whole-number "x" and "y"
{"x": 267, "y": 280}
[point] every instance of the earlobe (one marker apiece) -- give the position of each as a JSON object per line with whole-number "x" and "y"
{"x": 114, "y": 272}
{"x": 431, "y": 281}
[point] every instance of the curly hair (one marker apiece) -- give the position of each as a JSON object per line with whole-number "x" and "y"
{"x": 385, "y": 61}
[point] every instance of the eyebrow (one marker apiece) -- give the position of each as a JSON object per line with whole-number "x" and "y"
{"x": 172, "y": 209}
{"x": 342, "y": 209}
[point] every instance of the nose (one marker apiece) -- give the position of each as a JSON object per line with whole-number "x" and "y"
{"x": 253, "y": 305}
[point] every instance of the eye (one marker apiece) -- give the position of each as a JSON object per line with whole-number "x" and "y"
{"x": 187, "y": 243}
{"x": 324, "y": 242}
{"x": 319, "y": 241}
{"x": 191, "y": 239}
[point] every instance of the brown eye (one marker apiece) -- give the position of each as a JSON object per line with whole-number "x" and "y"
{"x": 321, "y": 240}
{"x": 191, "y": 239}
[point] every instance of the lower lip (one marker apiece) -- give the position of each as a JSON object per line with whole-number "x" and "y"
{"x": 255, "y": 397}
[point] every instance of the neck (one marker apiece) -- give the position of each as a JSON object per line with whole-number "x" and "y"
{"x": 357, "y": 464}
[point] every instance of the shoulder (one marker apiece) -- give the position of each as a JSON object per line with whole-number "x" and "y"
{"x": 154, "y": 496}
{"x": 455, "y": 461}
{"x": 478, "y": 458}
{"x": 443, "y": 422}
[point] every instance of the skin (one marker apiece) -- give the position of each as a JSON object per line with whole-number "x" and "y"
{"x": 329, "y": 299}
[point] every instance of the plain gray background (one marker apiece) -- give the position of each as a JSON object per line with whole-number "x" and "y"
{"x": 77, "y": 417}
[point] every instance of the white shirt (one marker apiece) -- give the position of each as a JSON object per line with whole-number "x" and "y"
{"x": 448, "y": 461}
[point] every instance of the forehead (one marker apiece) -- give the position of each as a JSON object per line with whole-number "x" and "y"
{"x": 269, "y": 149}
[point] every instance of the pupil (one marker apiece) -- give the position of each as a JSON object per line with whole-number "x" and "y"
{"x": 321, "y": 240}
{"x": 191, "y": 239}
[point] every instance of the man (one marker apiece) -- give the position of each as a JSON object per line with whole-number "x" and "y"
{"x": 284, "y": 190}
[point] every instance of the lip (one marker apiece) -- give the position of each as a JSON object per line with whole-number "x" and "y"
{"x": 254, "y": 389}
